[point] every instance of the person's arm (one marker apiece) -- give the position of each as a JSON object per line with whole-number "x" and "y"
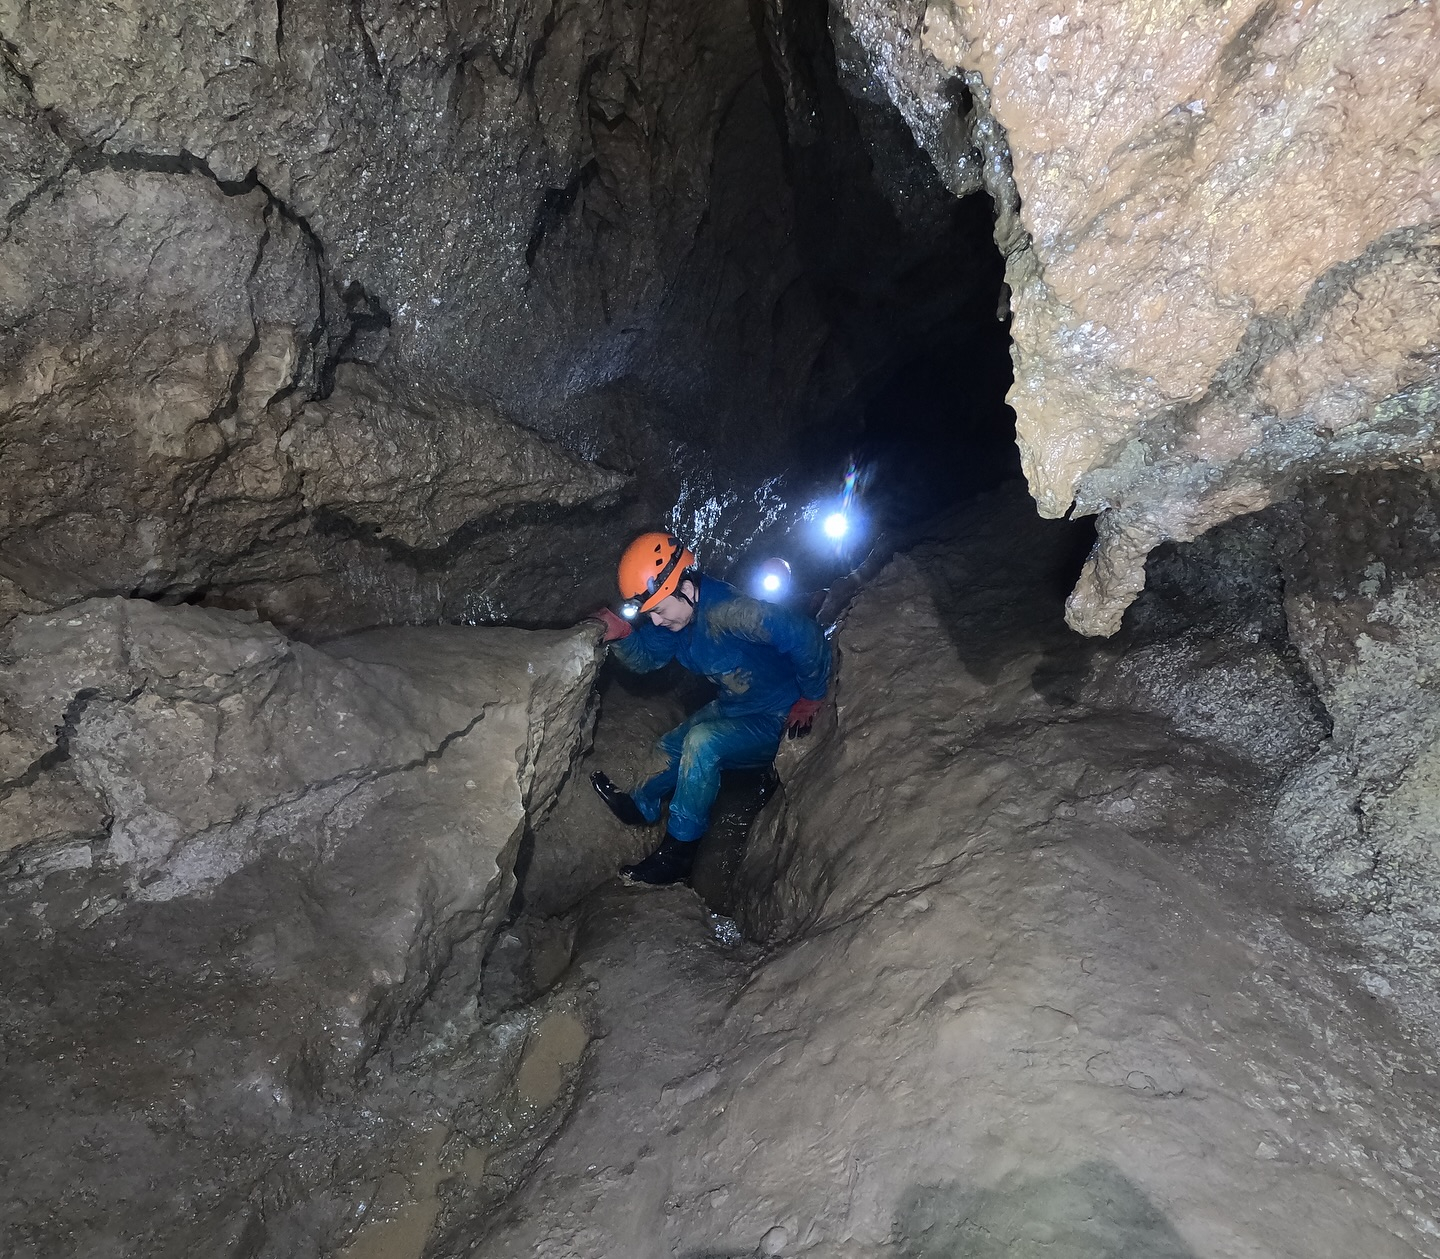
{"x": 645, "y": 648}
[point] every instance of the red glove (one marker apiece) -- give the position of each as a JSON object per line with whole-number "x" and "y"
{"x": 802, "y": 713}
{"x": 615, "y": 626}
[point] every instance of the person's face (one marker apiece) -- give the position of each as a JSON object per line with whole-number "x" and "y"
{"x": 672, "y": 613}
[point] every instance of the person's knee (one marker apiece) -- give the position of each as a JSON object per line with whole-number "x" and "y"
{"x": 670, "y": 745}
{"x": 701, "y": 753}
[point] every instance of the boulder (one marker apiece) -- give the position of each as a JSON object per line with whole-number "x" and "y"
{"x": 236, "y": 867}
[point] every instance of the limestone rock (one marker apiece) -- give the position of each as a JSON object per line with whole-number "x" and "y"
{"x": 272, "y": 855}
{"x": 459, "y": 167}
{"x": 1225, "y": 274}
{"x": 420, "y": 468}
{"x": 1207, "y": 645}
{"x": 1362, "y": 599}
{"x": 150, "y": 317}
{"x": 13, "y": 601}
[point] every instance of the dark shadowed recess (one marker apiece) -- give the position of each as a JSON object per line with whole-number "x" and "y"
{"x": 910, "y": 381}
{"x": 900, "y": 261}
{"x": 912, "y": 376}
{"x": 937, "y": 430}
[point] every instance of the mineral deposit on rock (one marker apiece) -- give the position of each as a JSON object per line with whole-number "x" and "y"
{"x": 1226, "y": 266}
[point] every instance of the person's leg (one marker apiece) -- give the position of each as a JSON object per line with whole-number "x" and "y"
{"x": 650, "y": 796}
{"x": 707, "y": 748}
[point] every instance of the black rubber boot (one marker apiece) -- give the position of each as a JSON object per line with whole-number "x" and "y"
{"x": 670, "y": 863}
{"x": 619, "y": 802}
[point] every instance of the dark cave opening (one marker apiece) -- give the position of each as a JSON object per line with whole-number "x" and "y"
{"x": 937, "y": 430}
{"x": 927, "y": 429}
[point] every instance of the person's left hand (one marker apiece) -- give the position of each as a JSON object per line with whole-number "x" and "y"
{"x": 802, "y": 714}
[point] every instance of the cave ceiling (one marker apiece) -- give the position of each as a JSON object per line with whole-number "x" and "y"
{"x": 278, "y": 280}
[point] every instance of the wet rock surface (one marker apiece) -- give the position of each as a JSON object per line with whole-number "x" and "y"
{"x": 164, "y": 333}
{"x": 394, "y": 313}
{"x": 248, "y": 888}
{"x": 1220, "y": 231}
{"x": 1032, "y": 976}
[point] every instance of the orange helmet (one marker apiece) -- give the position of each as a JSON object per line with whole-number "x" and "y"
{"x": 651, "y": 569}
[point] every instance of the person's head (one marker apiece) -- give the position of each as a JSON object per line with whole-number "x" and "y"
{"x": 674, "y": 612}
{"x": 657, "y": 579}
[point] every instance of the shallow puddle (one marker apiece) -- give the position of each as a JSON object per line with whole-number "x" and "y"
{"x": 409, "y": 1194}
{"x": 554, "y": 1047}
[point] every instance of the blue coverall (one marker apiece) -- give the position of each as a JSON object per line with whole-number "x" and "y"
{"x": 763, "y": 657}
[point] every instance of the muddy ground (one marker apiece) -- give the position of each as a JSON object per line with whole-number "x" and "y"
{"x": 1023, "y": 980}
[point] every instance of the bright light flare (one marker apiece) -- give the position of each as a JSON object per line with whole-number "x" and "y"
{"x": 836, "y": 525}
{"x": 770, "y": 582}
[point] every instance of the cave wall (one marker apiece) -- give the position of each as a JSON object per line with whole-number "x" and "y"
{"x": 1360, "y": 558}
{"x": 213, "y": 207}
{"x": 539, "y": 276}
{"x": 510, "y": 187}
{"x": 1222, "y": 230}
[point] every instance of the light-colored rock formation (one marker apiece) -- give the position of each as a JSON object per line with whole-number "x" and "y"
{"x": 1226, "y": 263}
{"x": 149, "y": 320}
{"x": 248, "y": 862}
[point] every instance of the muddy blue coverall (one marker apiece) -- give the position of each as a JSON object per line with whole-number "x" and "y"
{"x": 763, "y": 657}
